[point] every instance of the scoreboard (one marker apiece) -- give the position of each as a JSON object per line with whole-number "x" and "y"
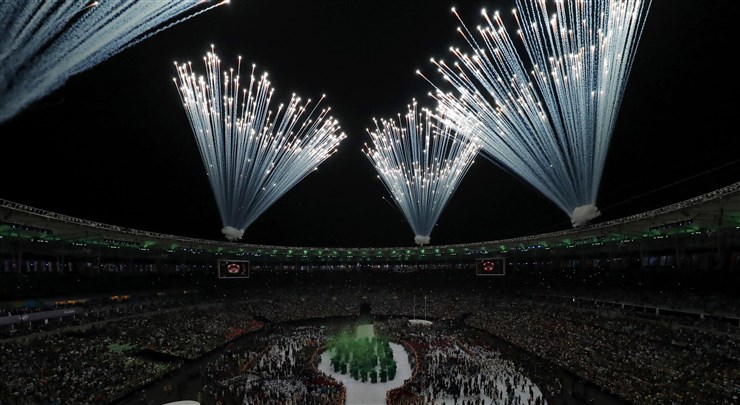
{"x": 493, "y": 266}
{"x": 233, "y": 269}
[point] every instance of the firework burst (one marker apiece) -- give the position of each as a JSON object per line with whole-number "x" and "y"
{"x": 421, "y": 162}
{"x": 46, "y": 42}
{"x": 252, "y": 155}
{"x": 549, "y": 122}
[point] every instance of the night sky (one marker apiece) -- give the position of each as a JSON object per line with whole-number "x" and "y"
{"x": 114, "y": 145}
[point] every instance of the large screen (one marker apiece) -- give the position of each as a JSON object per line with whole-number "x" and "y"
{"x": 493, "y": 266}
{"x": 233, "y": 269}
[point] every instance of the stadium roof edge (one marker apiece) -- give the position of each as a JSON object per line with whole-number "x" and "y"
{"x": 707, "y": 211}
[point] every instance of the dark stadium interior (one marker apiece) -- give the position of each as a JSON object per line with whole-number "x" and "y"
{"x": 115, "y": 284}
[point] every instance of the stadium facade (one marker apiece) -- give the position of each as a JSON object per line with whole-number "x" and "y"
{"x": 702, "y": 232}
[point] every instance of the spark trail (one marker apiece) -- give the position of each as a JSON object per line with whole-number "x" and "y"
{"x": 45, "y": 42}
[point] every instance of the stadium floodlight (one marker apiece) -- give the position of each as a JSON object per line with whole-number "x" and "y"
{"x": 252, "y": 155}
{"x": 549, "y": 122}
{"x": 421, "y": 163}
{"x": 45, "y": 42}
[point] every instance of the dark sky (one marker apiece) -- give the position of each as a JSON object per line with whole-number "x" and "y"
{"x": 113, "y": 144}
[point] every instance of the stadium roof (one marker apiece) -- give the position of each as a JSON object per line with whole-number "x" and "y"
{"x": 705, "y": 213}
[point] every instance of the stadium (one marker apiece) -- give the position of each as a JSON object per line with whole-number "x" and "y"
{"x": 137, "y": 267}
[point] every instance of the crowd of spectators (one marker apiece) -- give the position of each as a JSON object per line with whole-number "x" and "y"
{"x": 715, "y": 304}
{"x": 101, "y": 363}
{"x": 190, "y": 334}
{"x": 280, "y": 373}
{"x": 456, "y": 369}
{"x": 67, "y": 369}
{"x": 90, "y": 311}
{"x": 638, "y": 356}
{"x": 423, "y": 303}
{"x": 641, "y": 360}
{"x": 295, "y": 304}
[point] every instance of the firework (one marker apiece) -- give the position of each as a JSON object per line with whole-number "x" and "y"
{"x": 252, "y": 155}
{"x": 421, "y": 162}
{"x": 45, "y": 42}
{"x": 549, "y": 122}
